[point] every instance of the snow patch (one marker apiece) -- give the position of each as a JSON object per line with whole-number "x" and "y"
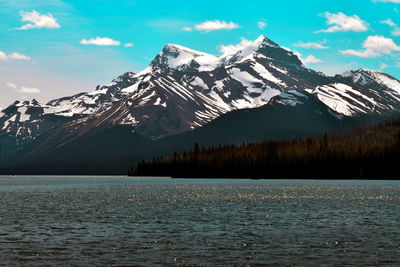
{"x": 263, "y": 72}
{"x": 158, "y": 101}
{"x": 246, "y": 79}
{"x": 199, "y": 82}
{"x": 98, "y": 92}
{"x": 388, "y": 82}
{"x": 336, "y": 97}
{"x": 23, "y": 116}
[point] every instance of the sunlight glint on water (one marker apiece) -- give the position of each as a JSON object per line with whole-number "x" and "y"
{"x": 130, "y": 221}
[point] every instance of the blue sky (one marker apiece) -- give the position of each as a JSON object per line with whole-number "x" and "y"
{"x": 55, "y": 51}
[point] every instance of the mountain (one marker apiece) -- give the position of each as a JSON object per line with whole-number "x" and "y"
{"x": 183, "y": 89}
{"x": 360, "y": 92}
{"x": 23, "y": 121}
{"x": 193, "y": 96}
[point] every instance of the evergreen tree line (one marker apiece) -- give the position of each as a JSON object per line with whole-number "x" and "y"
{"x": 362, "y": 153}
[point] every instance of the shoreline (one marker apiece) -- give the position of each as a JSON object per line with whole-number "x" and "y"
{"x": 198, "y": 178}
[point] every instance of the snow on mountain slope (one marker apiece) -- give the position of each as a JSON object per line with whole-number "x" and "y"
{"x": 87, "y": 103}
{"x": 183, "y": 89}
{"x": 372, "y": 78}
{"x": 27, "y": 119}
{"x": 178, "y": 57}
{"x": 361, "y": 92}
{"x": 343, "y": 99}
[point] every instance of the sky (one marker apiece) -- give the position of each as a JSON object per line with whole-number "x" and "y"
{"x": 55, "y": 48}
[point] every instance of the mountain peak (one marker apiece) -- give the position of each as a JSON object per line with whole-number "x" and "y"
{"x": 369, "y": 71}
{"x": 184, "y": 89}
{"x": 261, "y": 47}
{"x": 174, "y": 48}
{"x": 247, "y": 48}
{"x": 175, "y": 56}
{"x": 124, "y": 76}
{"x": 34, "y": 102}
{"x": 370, "y": 78}
{"x": 263, "y": 40}
{"x": 24, "y": 103}
{"x": 360, "y": 72}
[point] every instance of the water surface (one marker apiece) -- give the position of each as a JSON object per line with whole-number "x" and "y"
{"x": 141, "y": 221}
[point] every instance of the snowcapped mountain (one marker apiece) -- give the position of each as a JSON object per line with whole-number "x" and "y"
{"x": 360, "y": 92}
{"x": 183, "y": 89}
{"x": 25, "y": 120}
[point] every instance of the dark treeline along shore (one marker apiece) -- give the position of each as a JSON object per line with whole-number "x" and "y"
{"x": 364, "y": 153}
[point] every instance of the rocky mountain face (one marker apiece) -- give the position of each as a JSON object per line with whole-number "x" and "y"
{"x": 183, "y": 90}
{"x": 23, "y": 121}
{"x": 360, "y": 92}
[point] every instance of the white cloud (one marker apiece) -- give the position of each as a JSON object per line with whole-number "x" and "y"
{"x": 23, "y": 89}
{"x": 215, "y": 25}
{"x": 28, "y": 90}
{"x": 396, "y": 32}
{"x": 15, "y": 56}
{"x": 231, "y": 49}
{"x": 381, "y": 44}
{"x": 261, "y": 25}
{"x": 128, "y": 45}
{"x": 344, "y": 23}
{"x": 38, "y": 21}
{"x": 360, "y": 53}
{"x": 374, "y": 46}
{"x": 3, "y": 56}
{"x": 187, "y": 29}
{"x": 309, "y": 59}
{"x": 311, "y": 45}
{"x": 383, "y": 66}
{"x": 388, "y": 22}
{"x": 312, "y": 59}
{"x": 11, "y": 85}
{"x": 103, "y": 41}
{"x": 18, "y": 56}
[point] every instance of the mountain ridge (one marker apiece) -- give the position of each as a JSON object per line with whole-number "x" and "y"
{"x": 182, "y": 90}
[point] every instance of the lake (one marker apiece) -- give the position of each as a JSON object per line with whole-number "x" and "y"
{"x": 159, "y": 221}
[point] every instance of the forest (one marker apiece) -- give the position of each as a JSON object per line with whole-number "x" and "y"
{"x": 371, "y": 152}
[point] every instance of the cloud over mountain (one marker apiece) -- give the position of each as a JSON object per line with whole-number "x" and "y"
{"x": 23, "y": 89}
{"x": 213, "y": 25}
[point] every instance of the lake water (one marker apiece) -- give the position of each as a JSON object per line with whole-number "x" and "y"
{"x": 131, "y": 221}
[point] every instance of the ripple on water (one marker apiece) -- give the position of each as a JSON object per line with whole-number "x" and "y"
{"x": 105, "y": 221}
